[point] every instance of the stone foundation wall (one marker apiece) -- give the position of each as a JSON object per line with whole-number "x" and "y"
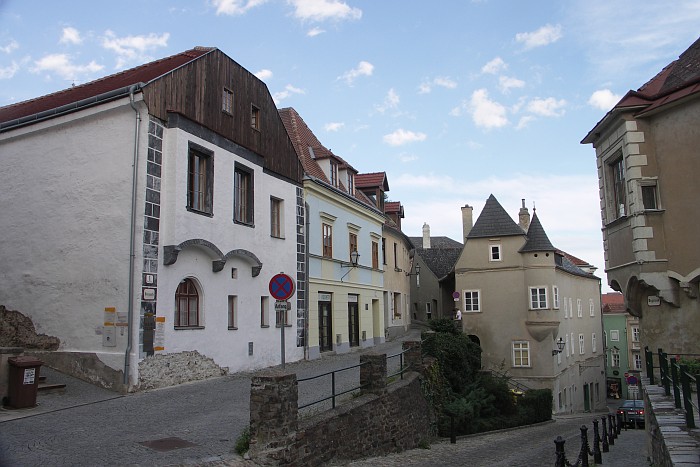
{"x": 163, "y": 370}
{"x": 18, "y": 331}
{"x": 383, "y": 419}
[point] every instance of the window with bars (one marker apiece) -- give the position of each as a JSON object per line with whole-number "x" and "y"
{"x": 187, "y": 310}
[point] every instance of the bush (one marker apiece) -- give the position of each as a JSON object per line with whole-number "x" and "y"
{"x": 458, "y": 356}
{"x": 243, "y": 441}
{"x": 535, "y": 406}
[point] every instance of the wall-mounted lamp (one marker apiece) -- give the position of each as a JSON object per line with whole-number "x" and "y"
{"x": 417, "y": 273}
{"x": 354, "y": 258}
{"x": 560, "y": 347}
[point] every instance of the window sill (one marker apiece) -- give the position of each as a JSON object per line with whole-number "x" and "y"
{"x": 264, "y": 325}
{"x": 286, "y": 326}
{"x": 277, "y": 237}
{"x": 201, "y": 213}
{"x": 244, "y": 224}
{"x": 233, "y": 328}
{"x": 188, "y": 328}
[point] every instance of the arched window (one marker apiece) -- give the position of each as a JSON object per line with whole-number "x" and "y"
{"x": 186, "y": 304}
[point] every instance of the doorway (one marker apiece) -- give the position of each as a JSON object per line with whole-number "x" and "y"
{"x": 325, "y": 322}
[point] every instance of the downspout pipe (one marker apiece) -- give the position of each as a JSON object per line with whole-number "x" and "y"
{"x": 132, "y": 235}
{"x": 308, "y": 282}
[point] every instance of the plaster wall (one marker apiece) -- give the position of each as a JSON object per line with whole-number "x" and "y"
{"x": 66, "y": 209}
{"x": 227, "y": 347}
{"x": 397, "y": 283}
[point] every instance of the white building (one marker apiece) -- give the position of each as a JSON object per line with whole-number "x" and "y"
{"x": 144, "y": 215}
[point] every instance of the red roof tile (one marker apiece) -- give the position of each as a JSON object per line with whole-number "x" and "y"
{"x": 370, "y": 180}
{"x": 613, "y": 303}
{"x": 140, "y": 74}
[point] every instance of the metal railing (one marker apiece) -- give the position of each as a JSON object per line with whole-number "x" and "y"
{"x": 676, "y": 377}
{"x": 402, "y": 368}
{"x": 334, "y": 393}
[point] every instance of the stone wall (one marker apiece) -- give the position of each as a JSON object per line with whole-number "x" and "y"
{"x": 163, "y": 370}
{"x": 17, "y": 330}
{"x": 383, "y": 419}
{"x": 670, "y": 441}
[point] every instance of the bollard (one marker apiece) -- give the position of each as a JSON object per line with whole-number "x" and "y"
{"x": 619, "y": 423}
{"x": 561, "y": 455}
{"x": 611, "y": 431}
{"x": 597, "y": 456}
{"x": 606, "y": 447}
{"x": 583, "y": 456}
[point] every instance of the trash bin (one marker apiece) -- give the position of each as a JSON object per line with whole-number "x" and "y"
{"x": 24, "y": 381}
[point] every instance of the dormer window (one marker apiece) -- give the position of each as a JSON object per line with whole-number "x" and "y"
{"x": 351, "y": 183}
{"x": 334, "y": 173}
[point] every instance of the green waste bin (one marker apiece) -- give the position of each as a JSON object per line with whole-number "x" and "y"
{"x": 24, "y": 381}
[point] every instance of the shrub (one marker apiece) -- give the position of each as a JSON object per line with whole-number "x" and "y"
{"x": 458, "y": 356}
{"x": 243, "y": 441}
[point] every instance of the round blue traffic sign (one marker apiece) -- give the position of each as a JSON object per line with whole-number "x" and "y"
{"x": 281, "y": 286}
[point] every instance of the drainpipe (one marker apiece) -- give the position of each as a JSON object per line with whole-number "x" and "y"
{"x": 130, "y": 312}
{"x": 308, "y": 283}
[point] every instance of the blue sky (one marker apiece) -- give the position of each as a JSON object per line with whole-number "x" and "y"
{"x": 455, "y": 100}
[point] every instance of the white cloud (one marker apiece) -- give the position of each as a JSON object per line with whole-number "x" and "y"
{"x": 603, "y": 99}
{"x": 235, "y": 7}
{"x": 313, "y": 32}
{"x": 363, "y": 69}
{"x": 495, "y": 66}
{"x": 133, "y": 49}
{"x": 506, "y": 83}
{"x": 543, "y": 36}
{"x": 401, "y": 137}
{"x": 322, "y": 10}
{"x": 333, "y": 126}
{"x": 9, "y": 71}
{"x": 525, "y": 121}
{"x": 288, "y": 91}
{"x": 62, "y": 65}
{"x": 445, "y": 82}
{"x": 405, "y": 158}
{"x": 424, "y": 88}
{"x": 391, "y": 101}
{"x": 70, "y": 36}
{"x": 13, "y": 45}
{"x": 264, "y": 74}
{"x": 485, "y": 112}
{"x": 549, "y": 107}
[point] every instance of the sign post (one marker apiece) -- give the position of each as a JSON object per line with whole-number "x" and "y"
{"x": 281, "y": 288}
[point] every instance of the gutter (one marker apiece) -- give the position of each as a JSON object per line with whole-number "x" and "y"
{"x": 132, "y": 234}
{"x": 68, "y": 108}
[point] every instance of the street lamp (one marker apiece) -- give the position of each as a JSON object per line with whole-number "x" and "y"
{"x": 354, "y": 258}
{"x": 417, "y": 274}
{"x": 560, "y": 347}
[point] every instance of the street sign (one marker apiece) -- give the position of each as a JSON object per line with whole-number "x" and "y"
{"x": 281, "y": 286}
{"x": 455, "y": 296}
{"x": 632, "y": 380}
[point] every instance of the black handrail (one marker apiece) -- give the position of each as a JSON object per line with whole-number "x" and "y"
{"x": 334, "y": 394}
{"x": 679, "y": 379}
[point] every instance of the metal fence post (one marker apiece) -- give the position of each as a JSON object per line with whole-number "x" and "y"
{"x": 665, "y": 379}
{"x": 606, "y": 445}
{"x": 561, "y": 455}
{"x": 649, "y": 357}
{"x": 676, "y": 383}
{"x": 597, "y": 456}
{"x": 685, "y": 382}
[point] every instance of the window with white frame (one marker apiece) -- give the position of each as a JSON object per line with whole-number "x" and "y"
{"x": 591, "y": 307}
{"x": 594, "y": 343}
{"x": 637, "y": 361}
{"x": 615, "y": 335}
{"x": 615, "y": 361}
{"x": 581, "y": 344}
{"x": 572, "y": 344}
{"x": 566, "y": 308}
{"x": 538, "y": 298}
{"x": 571, "y": 308}
{"x": 635, "y": 333}
{"x": 555, "y": 297}
{"x": 471, "y": 301}
{"x": 566, "y": 344}
{"x": 495, "y": 252}
{"x": 579, "y": 310}
{"x": 521, "y": 354}
{"x": 428, "y": 310}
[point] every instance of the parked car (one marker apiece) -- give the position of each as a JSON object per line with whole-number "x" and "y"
{"x": 632, "y": 412}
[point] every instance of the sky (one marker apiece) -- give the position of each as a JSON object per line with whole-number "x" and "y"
{"x": 454, "y": 99}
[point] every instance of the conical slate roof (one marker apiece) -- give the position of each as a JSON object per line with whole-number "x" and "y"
{"x": 494, "y": 221}
{"x": 537, "y": 239}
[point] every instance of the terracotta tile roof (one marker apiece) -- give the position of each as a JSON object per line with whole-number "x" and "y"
{"x": 140, "y": 74}
{"x": 309, "y": 149}
{"x": 373, "y": 179}
{"x": 392, "y": 206}
{"x": 613, "y": 303}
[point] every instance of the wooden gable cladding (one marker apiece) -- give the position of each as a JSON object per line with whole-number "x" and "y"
{"x": 195, "y": 90}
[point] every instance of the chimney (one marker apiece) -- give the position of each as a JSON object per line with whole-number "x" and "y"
{"x": 426, "y": 235}
{"x": 524, "y": 217}
{"x": 467, "y": 222}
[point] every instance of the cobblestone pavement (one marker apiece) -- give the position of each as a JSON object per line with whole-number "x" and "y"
{"x": 88, "y": 426}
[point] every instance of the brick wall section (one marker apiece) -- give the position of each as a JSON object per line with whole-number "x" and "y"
{"x": 382, "y": 420}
